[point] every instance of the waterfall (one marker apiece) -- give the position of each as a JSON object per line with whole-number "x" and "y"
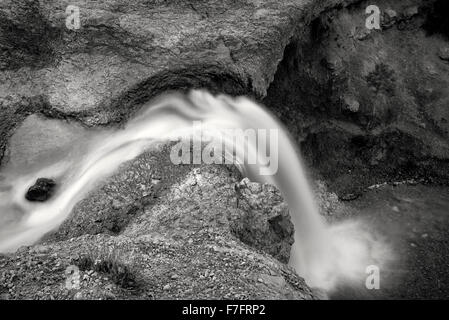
{"x": 322, "y": 254}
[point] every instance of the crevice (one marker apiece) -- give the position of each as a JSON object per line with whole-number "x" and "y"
{"x": 346, "y": 122}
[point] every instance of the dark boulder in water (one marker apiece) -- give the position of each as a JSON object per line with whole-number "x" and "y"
{"x": 41, "y": 190}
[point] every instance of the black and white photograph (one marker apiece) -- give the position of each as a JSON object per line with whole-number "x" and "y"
{"x": 217, "y": 156}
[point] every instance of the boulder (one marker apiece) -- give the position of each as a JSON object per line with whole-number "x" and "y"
{"x": 42, "y": 190}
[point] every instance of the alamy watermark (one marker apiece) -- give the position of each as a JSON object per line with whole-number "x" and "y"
{"x": 72, "y": 21}
{"x": 373, "y": 20}
{"x": 72, "y": 280}
{"x": 204, "y": 145}
{"x": 372, "y": 282}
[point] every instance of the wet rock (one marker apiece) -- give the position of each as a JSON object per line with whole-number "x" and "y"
{"x": 389, "y": 18}
{"x": 42, "y": 190}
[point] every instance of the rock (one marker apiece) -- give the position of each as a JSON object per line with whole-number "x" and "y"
{"x": 42, "y": 190}
{"x": 78, "y": 296}
{"x": 40, "y": 249}
{"x": 150, "y": 56}
{"x": 327, "y": 201}
{"x": 391, "y": 13}
{"x": 129, "y": 51}
{"x": 373, "y": 73}
{"x": 362, "y": 34}
{"x": 5, "y": 296}
{"x": 274, "y": 281}
{"x": 443, "y": 53}
{"x": 351, "y": 104}
{"x": 389, "y": 18}
{"x": 116, "y": 204}
{"x": 266, "y": 221}
{"x": 410, "y": 12}
{"x": 188, "y": 236}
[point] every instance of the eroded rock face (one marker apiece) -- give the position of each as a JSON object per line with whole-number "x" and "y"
{"x": 364, "y": 105}
{"x": 265, "y": 223}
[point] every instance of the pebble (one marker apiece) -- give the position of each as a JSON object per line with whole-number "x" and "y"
{"x": 166, "y": 287}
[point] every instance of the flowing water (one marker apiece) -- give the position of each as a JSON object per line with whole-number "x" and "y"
{"x": 322, "y": 254}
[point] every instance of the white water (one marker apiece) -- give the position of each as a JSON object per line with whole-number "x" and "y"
{"x": 323, "y": 255}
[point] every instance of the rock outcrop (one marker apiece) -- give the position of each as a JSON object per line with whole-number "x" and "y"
{"x": 41, "y": 190}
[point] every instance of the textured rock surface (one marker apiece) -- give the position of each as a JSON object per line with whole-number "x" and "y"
{"x": 369, "y": 105}
{"x": 157, "y": 197}
{"x": 183, "y": 240}
{"x": 150, "y": 198}
{"x": 364, "y": 105}
{"x": 128, "y": 51}
{"x": 209, "y": 265}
